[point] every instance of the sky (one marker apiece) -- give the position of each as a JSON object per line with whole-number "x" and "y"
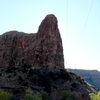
{"x": 78, "y": 22}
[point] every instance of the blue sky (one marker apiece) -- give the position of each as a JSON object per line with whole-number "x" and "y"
{"x": 83, "y": 34}
{"x": 78, "y": 23}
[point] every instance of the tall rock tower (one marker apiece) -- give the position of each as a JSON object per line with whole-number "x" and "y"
{"x": 49, "y": 42}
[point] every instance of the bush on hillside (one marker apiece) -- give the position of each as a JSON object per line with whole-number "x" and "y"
{"x": 45, "y": 96}
{"x": 31, "y": 96}
{"x": 28, "y": 97}
{"x": 29, "y": 91}
{"x": 5, "y": 95}
{"x": 67, "y": 96}
{"x": 95, "y": 96}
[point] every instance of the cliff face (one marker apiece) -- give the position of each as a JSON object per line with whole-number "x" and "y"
{"x": 43, "y": 49}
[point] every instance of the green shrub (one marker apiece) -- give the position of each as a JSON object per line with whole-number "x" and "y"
{"x": 37, "y": 96}
{"x": 95, "y": 96}
{"x": 29, "y": 91}
{"x": 28, "y": 97}
{"x": 5, "y": 95}
{"x": 67, "y": 96}
{"x": 45, "y": 96}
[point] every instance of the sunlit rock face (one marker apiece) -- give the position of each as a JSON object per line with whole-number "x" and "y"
{"x": 43, "y": 49}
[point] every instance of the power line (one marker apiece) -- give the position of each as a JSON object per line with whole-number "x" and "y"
{"x": 87, "y": 18}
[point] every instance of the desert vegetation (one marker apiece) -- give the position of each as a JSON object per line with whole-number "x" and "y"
{"x": 5, "y": 95}
{"x": 95, "y": 96}
{"x": 30, "y": 95}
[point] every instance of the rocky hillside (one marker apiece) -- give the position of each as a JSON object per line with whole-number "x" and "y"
{"x": 91, "y": 76}
{"x": 36, "y": 61}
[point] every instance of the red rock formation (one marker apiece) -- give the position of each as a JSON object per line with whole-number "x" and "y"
{"x": 12, "y": 47}
{"x": 43, "y": 49}
{"x": 48, "y": 47}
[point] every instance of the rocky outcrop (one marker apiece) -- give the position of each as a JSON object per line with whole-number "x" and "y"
{"x": 43, "y": 49}
{"x": 91, "y": 76}
{"x": 17, "y": 79}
